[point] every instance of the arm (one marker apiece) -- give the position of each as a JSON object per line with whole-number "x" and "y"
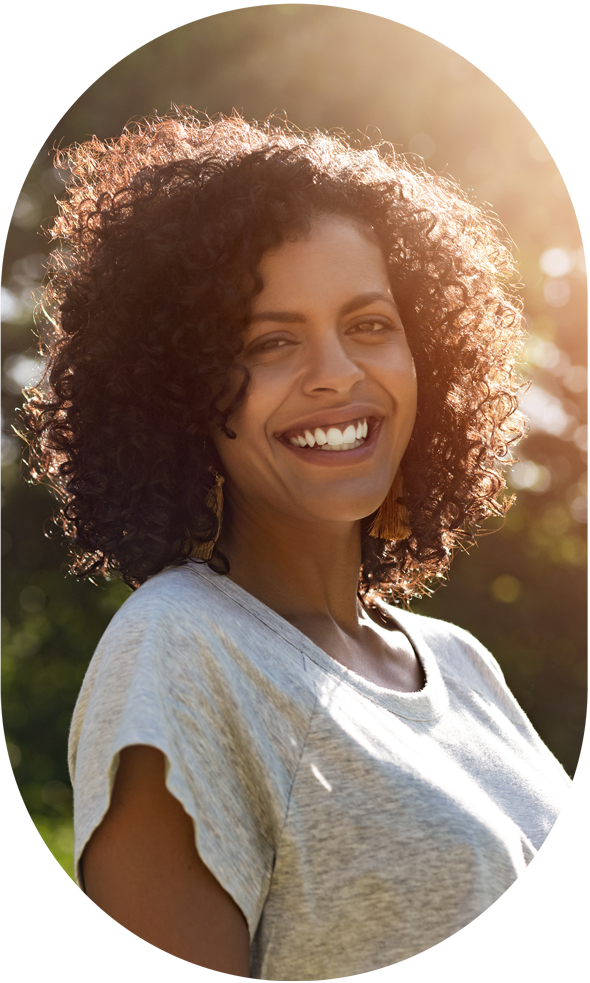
{"x": 141, "y": 866}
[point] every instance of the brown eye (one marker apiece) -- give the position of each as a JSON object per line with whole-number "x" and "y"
{"x": 275, "y": 343}
{"x": 372, "y": 326}
{"x": 268, "y": 345}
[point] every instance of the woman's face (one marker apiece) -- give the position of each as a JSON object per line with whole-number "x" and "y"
{"x": 332, "y": 396}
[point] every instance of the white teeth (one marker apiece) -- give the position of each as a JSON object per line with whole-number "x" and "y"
{"x": 342, "y": 447}
{"x": 335, "y": 438}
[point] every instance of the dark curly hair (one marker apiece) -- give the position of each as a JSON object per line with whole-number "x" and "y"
{"x": 163, "y": 230}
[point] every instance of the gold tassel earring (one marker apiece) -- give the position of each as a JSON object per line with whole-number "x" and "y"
{"x": 392, "y": 519}
{"x": 214, "y": 501}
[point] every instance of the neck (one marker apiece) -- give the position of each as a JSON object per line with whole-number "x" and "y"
{"x": 298, "y": 569}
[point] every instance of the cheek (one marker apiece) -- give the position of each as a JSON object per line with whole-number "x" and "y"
{"x": 397, "y": 375}
{"x": 269, "y": 387}
{"x": 252, "y": 424}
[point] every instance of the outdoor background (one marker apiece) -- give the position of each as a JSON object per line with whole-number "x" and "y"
{"x": 522, "y": 589}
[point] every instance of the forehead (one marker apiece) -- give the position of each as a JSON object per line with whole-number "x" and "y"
{"x": 337, "y": 256}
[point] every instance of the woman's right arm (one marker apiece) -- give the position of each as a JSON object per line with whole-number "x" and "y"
{"x": 141, "y": 866}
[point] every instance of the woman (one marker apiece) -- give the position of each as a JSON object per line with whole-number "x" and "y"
{"x": 280, "y": 391}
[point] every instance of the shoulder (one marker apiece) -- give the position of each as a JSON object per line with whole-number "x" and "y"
{"x": 183, "y": 594}
{"x": 181, "y": 609}
{"x": 457, "y": 652}
{"x": 169, "y": 618}
{"x": 474, "y": 680}
{"x": 182, "y": 640}
{"x": 437, "y": 630}
{"x": 188, "y": 620}
{"x": 182, "y": 661}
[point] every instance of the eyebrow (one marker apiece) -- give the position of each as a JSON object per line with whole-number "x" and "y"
{"x": 293, "y": 317}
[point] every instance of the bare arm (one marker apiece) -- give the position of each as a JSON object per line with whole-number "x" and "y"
{"x": 141, "y": 866}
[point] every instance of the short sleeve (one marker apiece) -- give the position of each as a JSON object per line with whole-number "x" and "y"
{"x": 166, "y": 677}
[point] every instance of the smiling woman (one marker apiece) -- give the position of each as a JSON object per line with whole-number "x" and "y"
{"x": 279, "y": 391}
{"x": 327, "y": 356}
{"x": 167, "y": 226}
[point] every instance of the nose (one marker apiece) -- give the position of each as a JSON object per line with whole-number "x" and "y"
{"x": 330, "y": 367}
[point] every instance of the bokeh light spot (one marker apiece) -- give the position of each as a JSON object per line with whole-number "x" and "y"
{"x": 556, "y": 292}
{"x": 32, "y": 599}
{"x": 27, "y": 211}
{"x": 506, "y": 588}
{"x": 555, "y": 521}
{"x": 57, "y": 795}
{"x": 14, "y": 753}
{"x": 581, "y": 437}
{"x": 576, "y": 379}
{"x": 579, "y": 508}
{"x": 24, "y": 643}
{"x": 21, "y": 371}
{"x": 533, "y": 477}
{"x": 545, "y": 411}
{"x": 12, "y": 309}
{"x": 556, "y": 262}
{"x": 542, "y": 353}
{"x": 65, "y": 838}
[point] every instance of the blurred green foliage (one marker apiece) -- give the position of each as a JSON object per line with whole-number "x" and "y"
{"x": 50, "y": 626}
{"x": 521, "y": 590}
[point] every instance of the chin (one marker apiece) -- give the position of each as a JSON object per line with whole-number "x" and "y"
{"x": 335, "y": 508}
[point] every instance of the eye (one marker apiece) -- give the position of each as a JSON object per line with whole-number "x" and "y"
{"x": 268, "y": 344}
{"x": 271, "y": 343}
{"x": 372, "y": 326}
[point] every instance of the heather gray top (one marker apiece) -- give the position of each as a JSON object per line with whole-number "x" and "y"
{"x": 353, "y": 825}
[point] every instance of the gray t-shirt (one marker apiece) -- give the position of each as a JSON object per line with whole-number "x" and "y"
{"x": 354, "y": 826}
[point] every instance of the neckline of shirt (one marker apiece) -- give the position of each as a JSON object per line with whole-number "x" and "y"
{"x": 428, "y": 703}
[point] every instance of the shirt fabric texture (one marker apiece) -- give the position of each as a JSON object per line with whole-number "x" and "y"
{"x": 353, "y": 825}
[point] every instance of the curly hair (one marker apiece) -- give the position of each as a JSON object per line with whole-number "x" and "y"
{"x": 162, "y": 233}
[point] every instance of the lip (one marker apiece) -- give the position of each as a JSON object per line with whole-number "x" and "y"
{"x": 315, "y": 455}
{"x": 332, "y": 418}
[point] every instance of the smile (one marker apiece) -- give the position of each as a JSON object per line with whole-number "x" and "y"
{"x": 343, "y": 437}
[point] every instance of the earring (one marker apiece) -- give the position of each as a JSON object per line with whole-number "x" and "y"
{"x": 392, "y": 519}
{"x": 214, "y": 501}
